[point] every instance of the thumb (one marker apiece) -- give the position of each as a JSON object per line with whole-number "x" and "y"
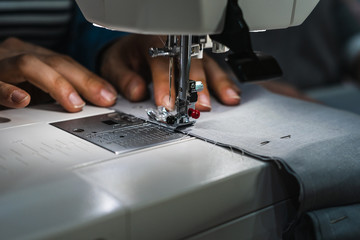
{"x": 13, "y": 97}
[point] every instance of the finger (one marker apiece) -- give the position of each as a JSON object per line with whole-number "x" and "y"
{"x": 224, "y": 88}
{"x": 13, "y": 97}
{"x": 130, "y": 84}
{"x": 197, "y": 74}
{"x": 160, "y": 75}
{"x": 41, "y": 75}
{"x": 92, "y": 87}
{"x": 89, "y": 85}
{"x": 118, "y": 67}
{"x": 159, "y": 71}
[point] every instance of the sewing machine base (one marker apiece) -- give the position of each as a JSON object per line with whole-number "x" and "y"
{"x": 55, "y": 185}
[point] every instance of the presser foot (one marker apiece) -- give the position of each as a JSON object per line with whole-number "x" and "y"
{"x": 173, "y": 120}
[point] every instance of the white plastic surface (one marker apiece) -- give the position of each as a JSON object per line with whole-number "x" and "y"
{"x": 196, "y": 17}
{"x": 259, "y": 225}
{"x": 60, "y": 206}
{"x": 44, "y": 114}
{"x": 181, "y": 189}
{"x": 56, "y": 186}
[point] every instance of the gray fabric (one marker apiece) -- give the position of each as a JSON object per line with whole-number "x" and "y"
{"x": 337, "y": 223}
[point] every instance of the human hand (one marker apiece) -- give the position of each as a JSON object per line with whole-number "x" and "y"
{"x": 58, "y": 75}
{"x": 127, "y": 64}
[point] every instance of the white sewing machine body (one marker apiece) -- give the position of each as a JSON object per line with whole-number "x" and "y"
{"x": 55, "y": 185}
{"x": 197, "y": 17}
{"x": 58, "y": 186}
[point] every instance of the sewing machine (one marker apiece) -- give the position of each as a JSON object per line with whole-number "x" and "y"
{"x": 185, "y": 23}
{"x": 64, "y": 176}
{"x": 55, "y": 185}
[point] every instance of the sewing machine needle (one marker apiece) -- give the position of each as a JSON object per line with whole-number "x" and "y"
{"x": 171, "y": 62}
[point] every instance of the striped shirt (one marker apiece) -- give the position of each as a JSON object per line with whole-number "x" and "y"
{"x": 42, "y": 22}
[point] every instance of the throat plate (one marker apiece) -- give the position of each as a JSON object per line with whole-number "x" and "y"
{"x": 119, "y": 132}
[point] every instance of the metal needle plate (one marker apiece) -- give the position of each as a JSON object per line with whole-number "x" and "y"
{"x": 119, "y": 132}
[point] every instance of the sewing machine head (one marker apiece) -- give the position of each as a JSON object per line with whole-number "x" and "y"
{"x": 187, "y": 23}
{"x": 194, "y": 17}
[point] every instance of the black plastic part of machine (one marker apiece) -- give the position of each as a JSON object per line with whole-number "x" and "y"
{"x": 245, "y": 63}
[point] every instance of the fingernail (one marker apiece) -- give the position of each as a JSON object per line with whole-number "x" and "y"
{"x": 166, "y": 103}
{"x": 76, "y": 101}
{"x": 231, "y": 93}
{"x": 18, "y": 96}
{"x": 204, "y": 101}
{"x": 107, "y": 95}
